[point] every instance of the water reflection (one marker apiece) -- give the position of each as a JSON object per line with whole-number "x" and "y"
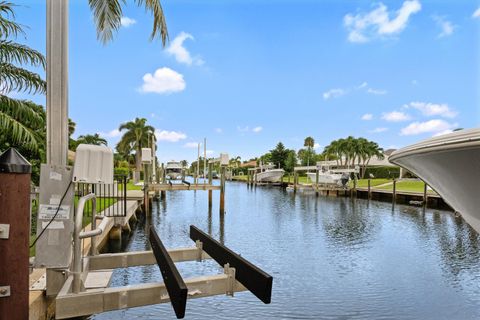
{"x": 331, "y": 258}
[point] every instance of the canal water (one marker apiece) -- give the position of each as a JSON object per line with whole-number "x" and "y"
{"x": 330, "y": 258}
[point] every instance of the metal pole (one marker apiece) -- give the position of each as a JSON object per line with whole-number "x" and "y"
{"x": 154, "y": 163}
{"x": 57, "y": 82}
{"x": 14, "y": 235}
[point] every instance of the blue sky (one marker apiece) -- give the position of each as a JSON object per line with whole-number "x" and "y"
{"x": 248, "y": 74}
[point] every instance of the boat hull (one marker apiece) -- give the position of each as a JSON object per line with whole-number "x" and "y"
{"x": 174, "y": 175}
{"x": 270, "y": 176}
{"x": 450, "y": 165}
{"x": 325, "y": 178}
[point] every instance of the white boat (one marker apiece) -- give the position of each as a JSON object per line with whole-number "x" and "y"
{"x": 173, "y": 170}
{"x": 450, "y": 165}
{"x": 269, "y": 174}
{"x": 328, "y": 177}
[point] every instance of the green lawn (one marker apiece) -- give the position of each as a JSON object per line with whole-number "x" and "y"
{"x": 131, "y": 186}
{"x": 363, "y": 183}
{"x": 409, "y": 186}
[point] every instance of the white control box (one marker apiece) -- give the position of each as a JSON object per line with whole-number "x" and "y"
{"x": 93, "y": 164}
{"x": 224, "y": 159}
{"x": 146, "y": 155}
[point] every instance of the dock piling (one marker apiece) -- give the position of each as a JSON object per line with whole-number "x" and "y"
{"x": 425, "y": 197}
{"x": 222, "y": 190}
{"x": 369, "y": 190}
{"x": 394, "y": 194}
{"x": 14, "y": 234}
{"x": 210, "y": 166}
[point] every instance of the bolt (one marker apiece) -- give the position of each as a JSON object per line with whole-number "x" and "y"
{"x": 3, "y": 292}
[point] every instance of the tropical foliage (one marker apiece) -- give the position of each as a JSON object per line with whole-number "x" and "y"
{"x": 137, "y": 135}
{"x": 91, "y": 139}
{"x": 19, "y": 119}
{"x": 108, "y": 17}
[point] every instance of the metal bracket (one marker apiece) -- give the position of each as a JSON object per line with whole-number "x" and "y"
{"x": 4, "y": 291}
{"x": 230, "y": 272}
{"x": 4, "y": 231}
{"x": 199, "y": 246}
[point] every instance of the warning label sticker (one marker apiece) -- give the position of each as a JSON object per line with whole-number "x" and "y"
{"x": 47, "y": 212}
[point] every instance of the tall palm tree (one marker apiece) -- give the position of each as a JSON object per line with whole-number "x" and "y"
{"x": 107, "y": 15}
{"x": 309, "y": 142}
{"x": 16, "y": 115}
{"x": 92, "y": 139}
{"x": 136, "y": 137}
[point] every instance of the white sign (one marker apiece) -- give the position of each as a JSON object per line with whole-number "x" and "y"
{"x": 47, "y": 212}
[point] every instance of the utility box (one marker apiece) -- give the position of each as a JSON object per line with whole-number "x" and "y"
{"x": 93, "y": 164}
{"x": 224, "y": 159}
{"x": 146, "y": 155}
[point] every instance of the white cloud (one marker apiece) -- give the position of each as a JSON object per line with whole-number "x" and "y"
{"x": 379, "y": 130}
{"x": 376, "y": 91}
{"x": 111, "y": 134}
{"x": 163, "y": 81}
{"x": 127, "y": 22}
{"x": 243, "y": 129}
{"x": 180, "y": 53}
{"x": 334, "y": 93}
{"x": 364, "y": 26}
{"x": 431, "y": 126}
{"x": 367, "y": 116}
{"x": 476, "y": 14}
{"x": 191, "y": 145}
{"x": 433, "y": 109}
{"x": 218, "y": 130}
{"x": 363, "y": 85}
{"x": 446, "y": 26}
{"x": 395, "y": 116}
{"x": 257, "y": 129}
{"x": 317, "y": 146}
{"x": 170, "y": 136}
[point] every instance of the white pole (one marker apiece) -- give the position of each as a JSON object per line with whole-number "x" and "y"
{"x": 57, "y": 82}
{"x": 154, "y": 157}
{"x": 198, "y": 161}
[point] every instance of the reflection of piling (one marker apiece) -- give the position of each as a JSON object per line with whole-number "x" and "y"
{"x": 14, "y": 234}
{"x": 210, "y": 166}
{"x": 222, "y": 190}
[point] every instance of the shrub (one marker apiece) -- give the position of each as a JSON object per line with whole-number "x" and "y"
{"x": 122, "y": 171}
{"x": 383, "y": 172}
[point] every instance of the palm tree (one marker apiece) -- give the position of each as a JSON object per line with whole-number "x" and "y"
{"x": 309, "y": 142}
{"x": 92, "y": 139}
{"x": 108, "y": 14}
{"x": 136, "y": 137}
{"x": 17, "y": 115}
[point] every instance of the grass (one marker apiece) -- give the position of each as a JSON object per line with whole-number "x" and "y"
{"x": 408, "y": 186}
{"x": 363, "y": 183}
{"x": 131, "y": 186}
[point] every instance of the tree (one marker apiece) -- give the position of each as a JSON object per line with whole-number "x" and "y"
{"x": 18, "y": 116}
{"x": 92, "y": 139}
{"x": 184, "y": 163}
{"x": 291, "y": 161}
{"x": 137, "y": 136}
{"x": 309, "y": 142}
{"x": 279, "y": 155}
{"x": 108, "y": 18}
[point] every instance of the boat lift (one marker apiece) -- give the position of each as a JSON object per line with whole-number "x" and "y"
{"x": 83, "y": 282}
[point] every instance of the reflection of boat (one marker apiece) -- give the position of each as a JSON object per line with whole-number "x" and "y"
{"x": 268, "y": 174}
{"x": 450, "y": 164}
{"x": 326, "y": 176}
{"x": 173, "y": 170}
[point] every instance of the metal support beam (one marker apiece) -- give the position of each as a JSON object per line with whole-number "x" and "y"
{"x": 57, "y": 82}
{"x": 252, "y": 277}
{"x": 176, "y": 287}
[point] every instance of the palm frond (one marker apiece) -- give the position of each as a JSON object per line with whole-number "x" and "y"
{"x": 13, "y": 78}
{"x": 107, "y": 15}
{"x": 159, "y": 21}
{"x": 19, "y": 134}
{"x": 8, "y": 28}
{"x": 18, "y": 53}
{"x": 21, "y": 110}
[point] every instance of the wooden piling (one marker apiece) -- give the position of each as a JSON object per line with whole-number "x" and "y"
{"x": 295, "y": 181}
{"x": 316, "y": 182}
{"x": 369, "y": 190}
{"x": 425, "y": 196}
{"x": 222, "y": 190}
{"x": 394, "y": 194}
{"x": 14, "y": 235}
{"x": 210, "y": 179}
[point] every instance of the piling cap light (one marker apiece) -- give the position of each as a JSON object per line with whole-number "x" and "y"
{"x": 11, "y": 161}
{"x": 146, "y": 155}
{"x": 93, "y": 164}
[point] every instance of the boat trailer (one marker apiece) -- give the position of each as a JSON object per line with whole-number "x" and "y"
{"x": 76, "y": 299}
